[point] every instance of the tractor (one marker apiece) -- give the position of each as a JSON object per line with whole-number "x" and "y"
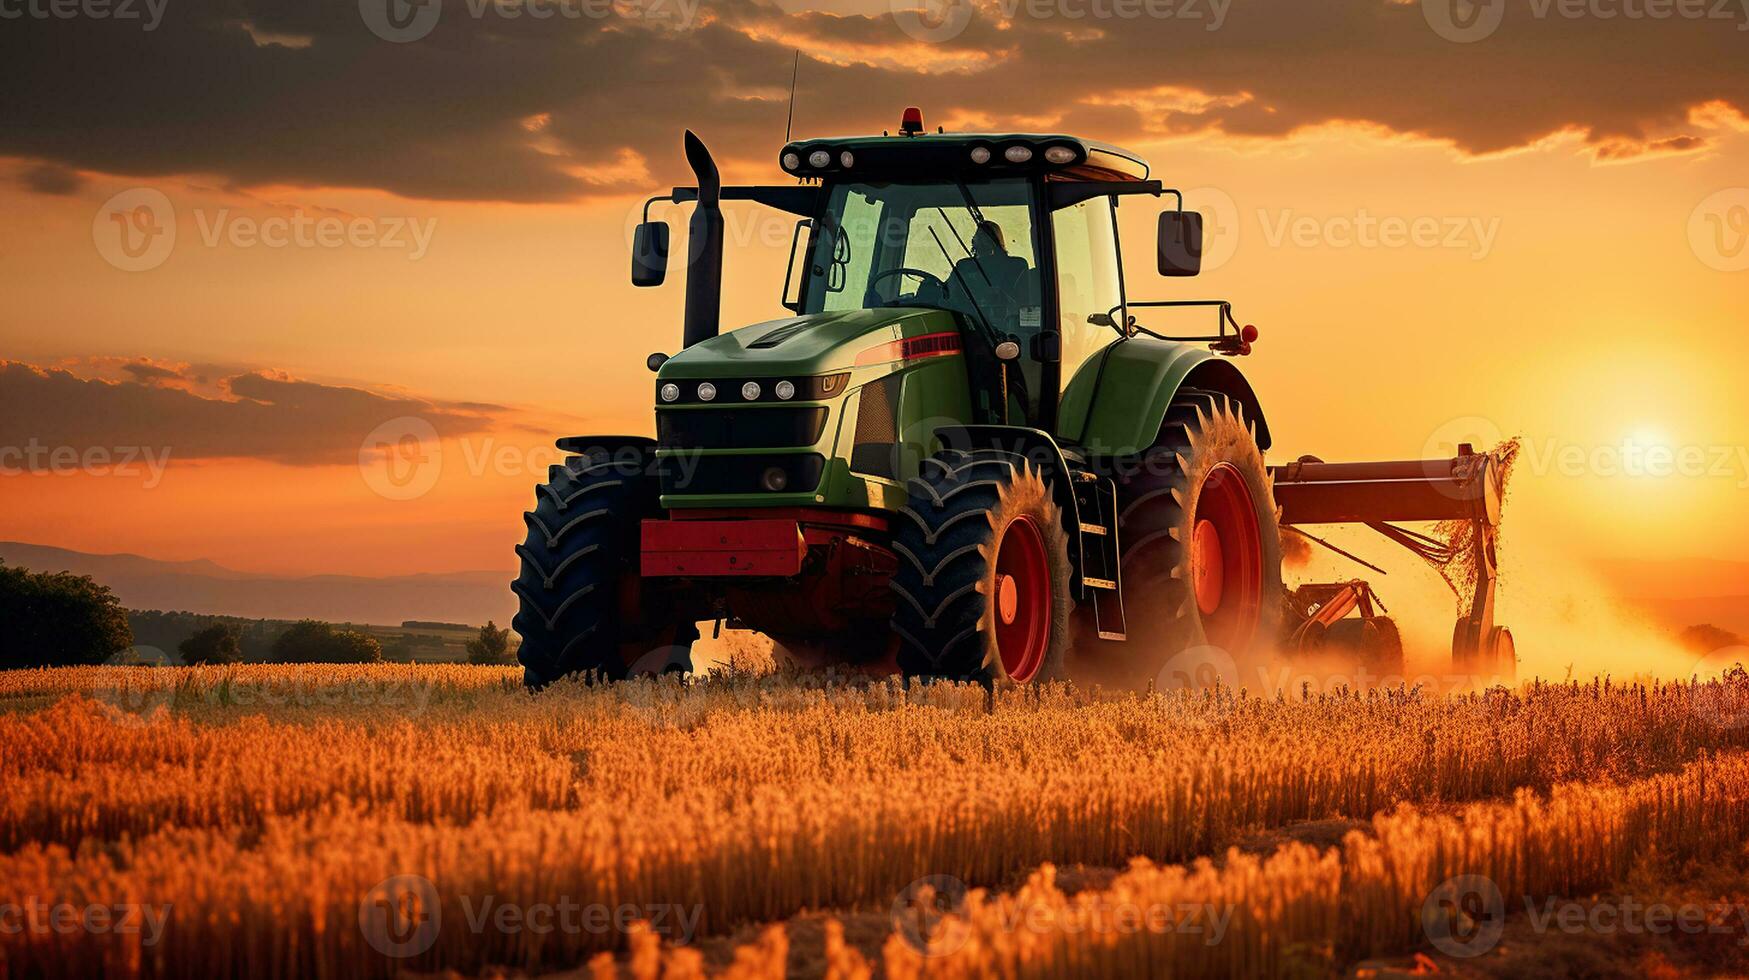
{"x": 961, "y": 455}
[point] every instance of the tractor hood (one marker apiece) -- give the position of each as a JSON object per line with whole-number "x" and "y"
{"x": 813, "y": 344}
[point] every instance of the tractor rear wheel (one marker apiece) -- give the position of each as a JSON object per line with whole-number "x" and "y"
{"x": 982, "y": 588}
{"x": 582, "y": 607}
{"x": 1201, "y": 547}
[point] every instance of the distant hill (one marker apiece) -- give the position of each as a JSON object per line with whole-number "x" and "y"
{"x": 207, "y": 587}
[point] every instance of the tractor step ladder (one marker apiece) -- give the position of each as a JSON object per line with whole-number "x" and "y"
{"x": 1101, "y": 575}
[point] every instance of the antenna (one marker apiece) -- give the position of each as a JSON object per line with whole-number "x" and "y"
{"x": 795, "y": 70}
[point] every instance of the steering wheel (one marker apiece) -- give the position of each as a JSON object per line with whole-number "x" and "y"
{"x": 928, "y": 277}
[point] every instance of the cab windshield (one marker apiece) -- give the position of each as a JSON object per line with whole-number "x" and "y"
{"x": 971, "y": 248}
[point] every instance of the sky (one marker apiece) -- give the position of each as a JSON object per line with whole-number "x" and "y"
{"x": 309, "y": 288}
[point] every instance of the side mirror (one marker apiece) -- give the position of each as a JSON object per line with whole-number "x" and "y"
{"x": 1180, "y": 243}
{"x": 650, "y": 253}
{"x": 797, "y": 273}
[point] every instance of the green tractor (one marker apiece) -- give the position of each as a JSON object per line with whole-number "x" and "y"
{"x": 960, "y": 456}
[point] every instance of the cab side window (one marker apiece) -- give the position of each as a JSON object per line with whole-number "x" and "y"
{"x": 1088, "y": 283}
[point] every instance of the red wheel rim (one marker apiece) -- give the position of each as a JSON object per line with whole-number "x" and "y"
{"x": 1022, "y": 600}
{"x": 1226, "y": 560}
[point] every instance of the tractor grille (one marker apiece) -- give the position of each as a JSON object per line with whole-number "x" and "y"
{"x": 753, "y": 428}
{"x": 693, "y": 474}
{"x": 877, "y": 429}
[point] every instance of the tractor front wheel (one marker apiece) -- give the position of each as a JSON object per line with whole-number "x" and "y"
{"x": 982, "y": 588}
{"x": 582, "y": 603}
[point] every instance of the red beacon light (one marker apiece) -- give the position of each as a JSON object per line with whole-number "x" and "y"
{"x": 912, "y": 122}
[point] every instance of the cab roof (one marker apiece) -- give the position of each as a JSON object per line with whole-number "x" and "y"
{"x": 961, "y": 155}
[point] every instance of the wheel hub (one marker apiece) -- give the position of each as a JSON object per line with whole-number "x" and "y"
{"x": 1022, "y": 600}
{"x": 1007, "y": 599}
{"x": 1226, "y": 560}
{"x": 1207, "y": 571}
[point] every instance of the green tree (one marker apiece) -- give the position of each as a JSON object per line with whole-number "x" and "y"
{"x": 58, "y": 619}
{"x": 353, "y": 647}
{"x": 492, "y": 646}
{"x": 312, "y": 641}
{"x": 220, "y": 643}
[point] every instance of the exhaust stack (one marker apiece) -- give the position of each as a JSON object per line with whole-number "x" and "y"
{"x": 704, "y": 246}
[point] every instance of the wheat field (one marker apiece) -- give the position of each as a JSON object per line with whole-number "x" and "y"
{"x": 258, "y": 818}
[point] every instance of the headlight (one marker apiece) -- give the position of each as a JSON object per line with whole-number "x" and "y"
{"x": 670, "y": 392}
{"x": 1060, "y": 154}
{"x": 980, "y": 154}
{"x": 819, "y": 158}
{"x": 792, "y": 160}
{"x": 785, "y": 390}
{"x": 707, "y": 392}
{"x": 1017, "y": 154}
{"x": 750, "y": 391}
{"x": 847, "y": 159}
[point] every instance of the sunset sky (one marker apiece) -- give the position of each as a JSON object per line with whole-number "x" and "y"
{"x": 1535, "y": 225}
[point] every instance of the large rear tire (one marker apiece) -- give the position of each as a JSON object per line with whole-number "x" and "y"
{"x": 982, "y": 588}
{"x": 1201, "y": 551}
{"x": 582, "y": 606}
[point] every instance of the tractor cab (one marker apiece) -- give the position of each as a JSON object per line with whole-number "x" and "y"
{"x": 1014, "y": 235}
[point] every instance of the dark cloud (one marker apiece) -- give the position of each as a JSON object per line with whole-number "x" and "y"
{"x": 273, "y": 417}
{"x": 274, "y": 91}
{"x": 50, "y": 178}
{"x": 149, "y": 373}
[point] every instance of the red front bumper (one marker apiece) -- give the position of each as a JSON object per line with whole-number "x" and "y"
{"x": 708, "y": 548}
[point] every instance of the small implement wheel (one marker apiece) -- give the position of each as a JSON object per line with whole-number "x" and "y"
{"x": 982, "y": 589}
